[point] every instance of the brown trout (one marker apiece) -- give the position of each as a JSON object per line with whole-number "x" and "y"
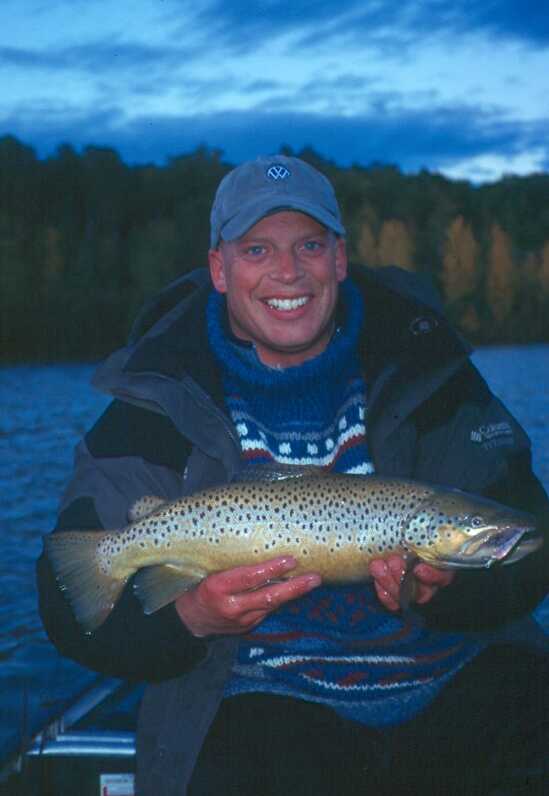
{"x": 332, "y": 524}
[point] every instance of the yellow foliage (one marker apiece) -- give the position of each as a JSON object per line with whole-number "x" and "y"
{"x": 469, "y": 322}
{"x": 395, "y": 246}
{"x": 459, "y": 261}
{"x": 366, "y": 244}
{"x": 500, "y": 275}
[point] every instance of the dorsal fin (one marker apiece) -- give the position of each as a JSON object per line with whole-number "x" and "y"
{"x": 274, "y": 471}
{"x": 145, "y": 506}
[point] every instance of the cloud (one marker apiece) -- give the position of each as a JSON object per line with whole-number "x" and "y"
{"x": 435, "y": 139}
{"x": 242, "y": 24}
{"x": 518, "y": 20}
{"x": 99, "y": 56}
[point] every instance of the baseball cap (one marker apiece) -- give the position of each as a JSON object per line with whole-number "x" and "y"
{"x": 259, "y": 187}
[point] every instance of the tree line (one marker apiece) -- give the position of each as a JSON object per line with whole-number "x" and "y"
{"x": 85, "y": 239}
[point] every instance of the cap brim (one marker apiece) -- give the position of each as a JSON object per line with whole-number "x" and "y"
{"x": 252, "y": 213}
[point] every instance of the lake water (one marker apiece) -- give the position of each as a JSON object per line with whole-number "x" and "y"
{"x": 44, "y": 411}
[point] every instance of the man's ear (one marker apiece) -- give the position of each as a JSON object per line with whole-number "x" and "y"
{"x": 341, "y": 259}
{"x": 217, "y": 270}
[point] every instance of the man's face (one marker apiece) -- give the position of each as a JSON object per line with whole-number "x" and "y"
{"x": 281, "y": 282}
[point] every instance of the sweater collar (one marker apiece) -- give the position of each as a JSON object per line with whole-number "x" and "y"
{"x": 337, "y": 360}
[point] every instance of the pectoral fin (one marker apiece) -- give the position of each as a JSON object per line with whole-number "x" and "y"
{"x": 160, "y": 585}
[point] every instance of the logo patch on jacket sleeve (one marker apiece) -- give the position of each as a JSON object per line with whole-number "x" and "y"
{"x": 493, "y": 435}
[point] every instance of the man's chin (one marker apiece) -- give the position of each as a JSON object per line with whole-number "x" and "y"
{"x": 290, "y": 352}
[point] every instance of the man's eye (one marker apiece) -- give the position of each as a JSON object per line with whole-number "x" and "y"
{"x": 254, "y": 251}
{"x": 312, "y": 245}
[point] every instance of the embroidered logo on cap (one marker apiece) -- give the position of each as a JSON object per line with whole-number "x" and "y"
{"x": 278, "y": 172}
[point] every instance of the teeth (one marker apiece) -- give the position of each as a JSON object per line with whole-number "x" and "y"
{"x": 287, "y": 304}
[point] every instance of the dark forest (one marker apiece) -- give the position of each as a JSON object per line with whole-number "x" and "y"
{"x": 85, "y": 239}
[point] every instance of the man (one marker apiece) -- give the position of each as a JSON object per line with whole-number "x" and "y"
{"x": 264, "y": 685}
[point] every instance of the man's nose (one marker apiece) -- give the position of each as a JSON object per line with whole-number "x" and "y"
{"x": 287, "y": 267}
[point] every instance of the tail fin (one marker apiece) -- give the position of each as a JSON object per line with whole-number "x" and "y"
{"x": 91, "y": 591}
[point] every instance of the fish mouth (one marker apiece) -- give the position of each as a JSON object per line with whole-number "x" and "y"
{"x": 497, "y": 545}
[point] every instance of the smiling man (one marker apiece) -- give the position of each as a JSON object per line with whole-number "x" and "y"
{"x": 264, "y": 683}
{"x": 281, "y": 282}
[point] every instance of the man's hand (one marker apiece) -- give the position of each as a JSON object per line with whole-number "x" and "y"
{"x": 388, "y": 576}
{"x": 237, "y": 600}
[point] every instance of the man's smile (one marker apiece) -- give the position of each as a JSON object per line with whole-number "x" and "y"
{"x": 287, "y": 304}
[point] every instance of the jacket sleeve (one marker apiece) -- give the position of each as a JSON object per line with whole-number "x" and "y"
{"x": 130, "y": 452}
{"x": 471, "y": 441}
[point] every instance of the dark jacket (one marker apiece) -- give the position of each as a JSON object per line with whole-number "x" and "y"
{"x": 430, "y": 416}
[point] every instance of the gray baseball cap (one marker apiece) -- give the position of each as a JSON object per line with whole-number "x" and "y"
{"x": 259, "y": 187}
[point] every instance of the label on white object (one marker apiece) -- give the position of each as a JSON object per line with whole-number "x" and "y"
{"x": 116, "y": 785}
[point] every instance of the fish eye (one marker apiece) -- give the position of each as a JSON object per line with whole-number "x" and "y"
{"x": 477, "y": 522}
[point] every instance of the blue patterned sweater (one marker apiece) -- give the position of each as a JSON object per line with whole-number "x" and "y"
{"x": 336, "y": 645}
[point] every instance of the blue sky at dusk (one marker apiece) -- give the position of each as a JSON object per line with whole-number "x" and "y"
{"x": 461, "y": 88}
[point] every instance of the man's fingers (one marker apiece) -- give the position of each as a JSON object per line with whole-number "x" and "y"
{"x": 387, "y": 582}
{"x": 271, "y": 597}
{"x": 429, "y": 580}
{"x": 424, "y": 593}
{"x": 389, "y": 574}
{"x": 246, "y": 578}
{"x": 236, "y": 600}
{"x": 251, "y": 620}
{"x": 397, "y": 567}
{"x": 385, "y": 598}
{"x": 431, "y": 576}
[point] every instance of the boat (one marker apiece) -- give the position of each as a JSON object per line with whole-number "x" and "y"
{"x": 88, "y": 749}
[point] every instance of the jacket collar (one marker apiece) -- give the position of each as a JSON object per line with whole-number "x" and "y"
{"x": 405, "y": 332}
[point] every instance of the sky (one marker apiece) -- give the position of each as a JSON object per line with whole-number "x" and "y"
{"x": 459, "y": 88}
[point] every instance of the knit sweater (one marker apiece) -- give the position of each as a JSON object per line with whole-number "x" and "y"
{"x": 336, "y": 645}
{"x": 313, "y": 414}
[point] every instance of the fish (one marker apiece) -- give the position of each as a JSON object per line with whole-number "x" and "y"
{"x": 333, "y": 524}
